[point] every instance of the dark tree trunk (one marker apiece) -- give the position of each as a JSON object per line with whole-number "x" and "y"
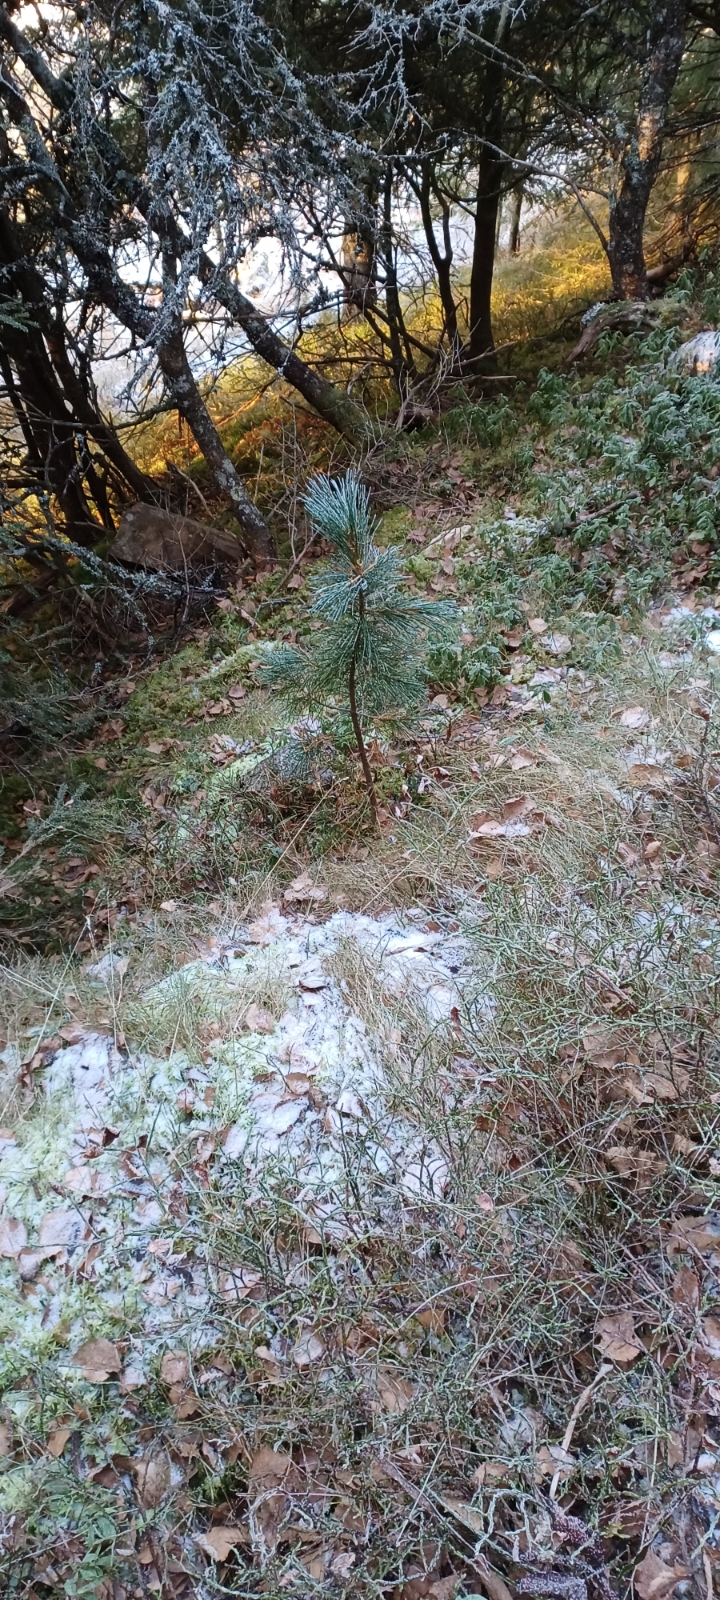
{"x": 403, "y": 367}
{"x": 441, "y": 259}
{"x": 357, "y": 268}
{"x": 330, "y": 402}
{"x": 48, "y": 427}
{"x": 178, "y": 375}
{"x": 121, "y": 300}
{"x": 515, "y": 214}
{"x": 479, "y": 352}
{"x": 87, "y": 415}
{"x": 641, "y": 159}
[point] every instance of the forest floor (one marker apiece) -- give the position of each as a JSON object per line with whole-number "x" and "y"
{"x": 360, "y": 1229}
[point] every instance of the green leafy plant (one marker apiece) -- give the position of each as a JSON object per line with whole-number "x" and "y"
{"x": 368, "y": 653}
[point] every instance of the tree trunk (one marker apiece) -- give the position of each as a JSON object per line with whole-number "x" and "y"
{"x": 441, "y": 260}
{"x": 121, "y": 300}
{"x": 330, "y": 402}
{"x": 403, "y": 368}
{"x": 515, "y": 214}
{"x": 480, "y": 347}
{"x": 86, "y": 413}
{"x": 49, "y": 431}
{"x": 641, "y": 159}
{"x": 178, "y": 375}
{"x": 357, "y": 269}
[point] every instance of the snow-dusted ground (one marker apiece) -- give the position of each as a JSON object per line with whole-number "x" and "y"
{"x": 94, "y": 1227}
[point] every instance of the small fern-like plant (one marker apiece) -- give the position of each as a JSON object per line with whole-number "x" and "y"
{"x": 370, "y": 652}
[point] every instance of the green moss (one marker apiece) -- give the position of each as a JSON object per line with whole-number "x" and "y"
{"x": 394, "y": 526}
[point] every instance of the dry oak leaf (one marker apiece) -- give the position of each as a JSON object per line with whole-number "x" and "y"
{"x": 61, "y": 1229}
{"x": 258, "y": 1020}
{"x": 97, "y": 1359}
{"x": 152, "y": 1474}
{"x": 302, "y": 890}
{"x": 238, "y": 1282}
{"x": 494, "y": 1585}
{"x": 490, "y": 1472}
{"x": 271, "y": 1473}
{"x": 308, "y": 1349}
{"x": 519, "y": 807}
{"x": 654, "y": 1580}
{"x": 617, "y": 1337}
{"x": 57, "y": 1441}
{"x": 5, "y": 1439}
{"x": 647, "y": 775}
{"x": 711, "y": 1337}
{"x": 86, "y": 1182}
{"x": 552, "y": 1459}
{"x": 218, "y": 1542}
{"x": 268, "y": 926}
{"x": 538, "y": 625}
{"x": 521, "y": 759}
{"x": 694, "y": 1233}
{"x": 13, "y": 1236}
{"x": 395, "y": 1393}
{"x": 634, "y": 717}
{"x": 686, "y": 1288}
{"x": 468, "y": 1515}
{"x": 175, "y": 1367}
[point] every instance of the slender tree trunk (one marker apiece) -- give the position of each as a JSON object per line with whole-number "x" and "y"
{"x": 360, "y": 742}
{"x": 86, "y": 413}
{"x": 179, "y": 378}
{"x": 480, "y": 348}
{"x": 169, "y": 347}
{"x": 441, "y": 260}
{"x": 515, "y": 214}
{"x": 641, "y": 159}
{"x": 403, "y": 367}
{"x": 331, "y": 403}
{"x": 53, "y": 455}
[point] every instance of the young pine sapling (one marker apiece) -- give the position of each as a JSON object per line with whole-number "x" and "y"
{"x": 369, "y": 653}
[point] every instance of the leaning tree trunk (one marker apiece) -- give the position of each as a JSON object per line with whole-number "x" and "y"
{"x": 119, "y": 298}
{"x": 331, "y": 403}
{"x": 641, "y": 159}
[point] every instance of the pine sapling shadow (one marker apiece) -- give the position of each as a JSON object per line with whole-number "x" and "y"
{"x": 369, "y": 654}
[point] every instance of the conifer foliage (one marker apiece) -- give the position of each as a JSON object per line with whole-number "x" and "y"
{"x": 369, "y": 654}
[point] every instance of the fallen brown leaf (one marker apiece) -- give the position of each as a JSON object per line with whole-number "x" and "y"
{"x": 152, "y": 1474}
{"x": 647, "y": 775}
{"x": 13, "y": 1236}
{"x": 218, "y": 1542}
{"x": 653, "y": 1579}
{"x": 302, "y": 891}
{"x": 258, "y": 1020}
{"x": 395, "y": 1393}
{"x": 97, "y": 1359}
{"x": 57, "y": 1441}
{"x": 617, "y": 1337}
{"x": 175, "y": 1367}
{"x": 634, "y": 717}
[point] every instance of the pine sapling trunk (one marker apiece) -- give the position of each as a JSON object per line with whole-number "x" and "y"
{"x": 360, "y": 742}
{"x": 357, "y": 726}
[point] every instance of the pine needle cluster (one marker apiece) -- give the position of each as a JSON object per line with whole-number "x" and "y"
{"x": 369, "y": 655}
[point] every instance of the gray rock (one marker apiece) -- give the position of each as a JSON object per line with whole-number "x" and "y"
{"x": 700, "y": 355}
{"x": 162, "y": 541}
